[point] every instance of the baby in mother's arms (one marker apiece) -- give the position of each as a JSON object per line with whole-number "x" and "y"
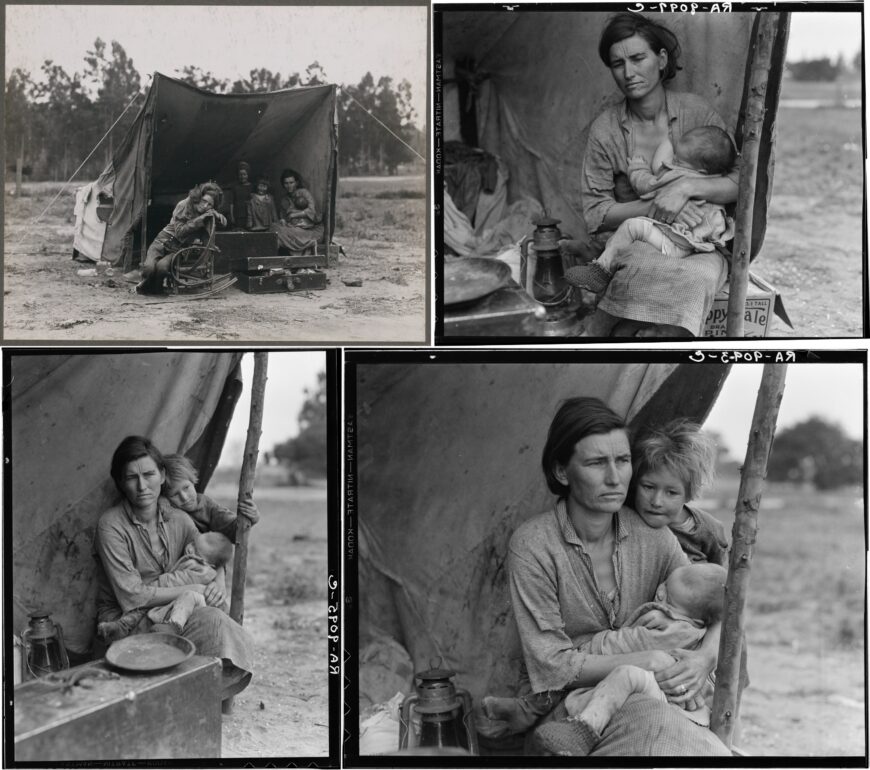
{"x": 703, "y": 151}
{"x": 198, "y": 566}
{"x": 690, "y": 600}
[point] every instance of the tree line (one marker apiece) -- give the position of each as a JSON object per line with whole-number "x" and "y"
{"x": 54, "y": 120}
{"x": 824, "y": 68}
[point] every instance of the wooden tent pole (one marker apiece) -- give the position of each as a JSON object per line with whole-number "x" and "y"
{"x": 726, "y": 698}
{"x": 752, "y": 134}
{"x": 246, "y": 487}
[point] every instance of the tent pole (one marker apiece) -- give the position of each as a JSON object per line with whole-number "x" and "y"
{"x": 752, "y": 133}
{"x": 246, "y": 489}
{"x": 726, "y": 698}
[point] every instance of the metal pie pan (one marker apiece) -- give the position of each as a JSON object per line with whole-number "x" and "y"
{"x": 150, "y": 652}
{"x": 471, "y": 278}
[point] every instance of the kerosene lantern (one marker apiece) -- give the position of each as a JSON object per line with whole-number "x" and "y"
{"x": 446, "y": 718}
{"x": 544, "y": 278}
{"x": 546, "y": 281}
{"x": 44, "y": 651}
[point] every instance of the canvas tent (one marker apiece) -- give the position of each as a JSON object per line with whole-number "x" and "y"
{"x": 183, "y": 136}
{"x": 525, "y": 85}
{"x": 439, "y": 499}
{"x": 66, "y": 414}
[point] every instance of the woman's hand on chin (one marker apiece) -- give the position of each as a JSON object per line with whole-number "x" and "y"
{"x": 215, "y": 593}
{"x": 683, "y": 681}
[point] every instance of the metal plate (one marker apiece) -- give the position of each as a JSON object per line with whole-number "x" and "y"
{"x": 472, "y": 278}
{"x": 150, "y": 652}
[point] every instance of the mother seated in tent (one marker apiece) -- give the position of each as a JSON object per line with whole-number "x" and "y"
{"x": 137, "y": 543}
{"x": 584, "y": 567}
{"x": 300, "y": 225}
{"x": 650, "y": 293}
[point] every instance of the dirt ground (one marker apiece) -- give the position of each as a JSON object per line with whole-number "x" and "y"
{"x": 380, "y": 223}
{"x": 285, "y": 710}
{"x": 804, "y": 622}
{"x": 813, "y": 249}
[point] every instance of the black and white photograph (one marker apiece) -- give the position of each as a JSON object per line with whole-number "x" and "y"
{"x": 605, "y": 554}
{"x": 183, "y": 173}
{"x": 572, "y": 198}
{"x": 167, "y": 571}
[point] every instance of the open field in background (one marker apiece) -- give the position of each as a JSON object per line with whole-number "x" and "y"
{"x": 812, "y": 252}
{"x": 381, "y": 224}
{"x": 285, "y": 710}
{"x": 844, "y": 89}
{"x": 805, "y": 621}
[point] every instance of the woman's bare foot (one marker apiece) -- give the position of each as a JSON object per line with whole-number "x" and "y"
{"x": 510, "y": 711}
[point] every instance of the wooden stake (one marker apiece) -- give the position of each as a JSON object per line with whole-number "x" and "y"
{"x": 246, "y": 487}
{"x": 752, "y": 131}
{"x": 726, "y": 698}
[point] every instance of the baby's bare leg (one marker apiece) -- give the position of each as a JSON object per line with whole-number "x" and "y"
{"x": 630, "y": 231}
{"x": 182, "y": 609}
{"x": 596, "y": 708}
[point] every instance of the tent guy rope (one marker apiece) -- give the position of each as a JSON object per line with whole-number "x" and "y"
{"x": 81, "y": 165}
{"x": 369, "y": 113}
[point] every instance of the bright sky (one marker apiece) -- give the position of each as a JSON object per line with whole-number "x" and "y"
{"x": 229, "y": 41}
{"x": 834, "y": 392}
{"x": 289, "y": 373}
{"x": 816, "y": 35}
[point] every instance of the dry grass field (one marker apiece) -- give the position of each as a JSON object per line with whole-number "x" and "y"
{"x": 805, "y": 621}
{"x": 380, "y": 223}
{"x": 285, "y": 710}
{"x": 813, "y": 249}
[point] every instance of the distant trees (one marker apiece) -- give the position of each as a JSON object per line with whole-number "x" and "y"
{"x": 305, "y": 455}
{"x": 816, "y": 69}
{"x": 369, "y": 108}
{"x": 52, "y": 122}
{"x": 817, "y": 452}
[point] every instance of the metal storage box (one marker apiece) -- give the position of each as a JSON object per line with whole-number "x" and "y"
{"x": 171, "y": 715}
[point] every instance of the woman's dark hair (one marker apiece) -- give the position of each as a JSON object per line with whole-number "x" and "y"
{"x": 625, "y": 25}
{"x": 288, "y": 172}
{"x": 207, "y": 188}
{"x": 575, "y": 419}
{"x": 133, "y": 448}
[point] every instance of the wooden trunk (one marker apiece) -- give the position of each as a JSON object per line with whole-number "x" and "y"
{"x": 253, "y": 265}
{"x": 262, "y": 283}
{"x": 239, "y": 245}
{"x": 281, "y": 281}
{"x": 306, "y": 280}
{"x": 170, "y": 715}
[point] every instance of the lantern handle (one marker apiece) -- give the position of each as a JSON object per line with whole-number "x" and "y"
{"x": 405, "y": 729}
